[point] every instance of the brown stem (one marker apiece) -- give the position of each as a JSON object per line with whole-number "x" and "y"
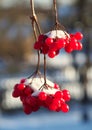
{"x": 34, "y": 16}
{"x": 55, "y": 11}
{"x": 34, "y": 21}
{"x": 44, "y": 69}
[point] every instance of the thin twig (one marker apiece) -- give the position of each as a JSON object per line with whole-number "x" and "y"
{"x": 55, "y": 11}
{"x": 44, "y": 69}
{"x": 34, "y": 21}
{"x": 34, "y": 16}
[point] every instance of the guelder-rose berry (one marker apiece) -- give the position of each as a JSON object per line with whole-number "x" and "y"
{"x": 28, "y": 90}
{"x": 67, "y": 97}
{"x": 31, "y": 102}
{"x": 15, "y": 93}
{"x": 21, "y": 86}
{"x": 42, "y": 96}
{"x": 65, "y": 91}
{"x": 41, "y": 37}
{"x": 37, "y": 45}
{"x": 27, "y": 109}
{"x": 49, "y": 41}
{"x": 53, "y": 107}
{"x": 78, "y": 35}
{"x": 80, "y": 46}
{"x": 56, "y": 86}
{"x": 58, "y": 94}
{"x": 68, "y": 49}
{"x": 60, "y": 43}
{"x": 52, "y": 54}
{"x": 64, "y": 107}
{"x": 22, "y": 80}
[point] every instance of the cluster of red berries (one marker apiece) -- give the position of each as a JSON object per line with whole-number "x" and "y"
{"x": 51, "y": 43}
{"x": 32, "y": 102}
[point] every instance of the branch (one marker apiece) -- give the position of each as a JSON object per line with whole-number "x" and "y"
{"x": 34, "y": 21}
{"x": 55, "y": 11}
{"x": 34, "y": 17}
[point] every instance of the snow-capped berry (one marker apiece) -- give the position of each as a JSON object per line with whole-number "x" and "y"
{"x": 50, "y": 97}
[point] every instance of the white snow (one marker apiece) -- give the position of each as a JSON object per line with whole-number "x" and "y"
{"x": 57, "y": 33}
{"x": 36, "y": 82}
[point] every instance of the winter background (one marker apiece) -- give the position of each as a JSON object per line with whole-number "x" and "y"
{"x": 71, "y": 71}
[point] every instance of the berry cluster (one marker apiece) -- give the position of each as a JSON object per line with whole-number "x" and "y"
{"x": 50, "y": 97}
{"x": 52, "y": 42}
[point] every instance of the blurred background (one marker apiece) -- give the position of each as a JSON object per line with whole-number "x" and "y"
{"x": 71, "y": 71}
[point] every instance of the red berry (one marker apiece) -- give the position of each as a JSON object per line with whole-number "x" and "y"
{"x": 60, "y": 43}
{"x": 78, "y": 35}
{"x": 45, "y": 49}
{"x": 62, "y": 100}
{"x": 15, "y": 93}
{"x": 21, "y": 86}
{"x": 65, "y": 91}
{"x": 41, "y": 37}
{"x": 64, "y": 107}
{"x": 31, "y": 100}
{"x": 56, "y": 86}
{"x": 16, "y": 86}
{"x": 68, "y": 48}
{"x": 80, "y": 46}
{"x": 23, "y": 99}
{"x": 57, "y": 52}
{"x": 22, "y": 80}
{"x": 35, "y": 108}
{"x": 37, "y": 45}
{"x": 52, "y": 107}
{"x": 48, "y": 100}
{"x": 42, "y": 96}
{"x": 58, "y": 94}
{"x": 51, "y": 54}
{"x": 67, "y": 97}
{"x": 49, "y": 41}
{"x": 57, "y": 102}
{"x": 27, "y": 109}
{"x": 28, "y": 90}
{"x": 71, "y": 35}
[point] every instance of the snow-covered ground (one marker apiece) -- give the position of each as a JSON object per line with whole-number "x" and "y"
{"x": 44, "y": 120}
